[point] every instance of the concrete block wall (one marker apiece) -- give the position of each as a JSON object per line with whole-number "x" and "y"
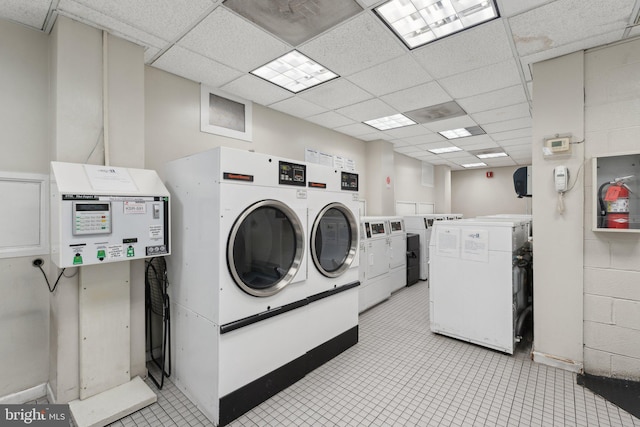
{"x": 611, "y": 260}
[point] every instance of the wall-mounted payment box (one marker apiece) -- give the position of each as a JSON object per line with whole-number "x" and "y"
{"x": 102, "y": 214}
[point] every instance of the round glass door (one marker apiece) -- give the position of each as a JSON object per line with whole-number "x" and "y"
{"x": 265, "y": 248}
{"x": 334, "y": 239}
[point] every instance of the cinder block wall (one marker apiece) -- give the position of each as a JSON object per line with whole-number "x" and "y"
{"x": 611, "y": 261}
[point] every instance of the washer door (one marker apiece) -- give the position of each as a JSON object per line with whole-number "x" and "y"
{"x": 265, "y": 248}
{"x": 334, "y": 239}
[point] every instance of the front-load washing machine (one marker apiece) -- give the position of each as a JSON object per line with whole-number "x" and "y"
{"x": 375, "y": 285}
{"x": 332, "y": 280}
{"x": 397, "y": 253}
{"x": 238, "y": 278}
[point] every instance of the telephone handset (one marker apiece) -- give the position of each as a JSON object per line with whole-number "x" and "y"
{"x": 561, "y": 178}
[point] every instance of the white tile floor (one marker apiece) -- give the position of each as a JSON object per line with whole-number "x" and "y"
{"x": 400, "y": 374}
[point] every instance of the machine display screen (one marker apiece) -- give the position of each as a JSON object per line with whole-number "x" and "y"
{"x": 349, "y": 181}
{"x": 377, "y": 228}
{"x": 396, "y": 226}
{"x": 292, "y": 174}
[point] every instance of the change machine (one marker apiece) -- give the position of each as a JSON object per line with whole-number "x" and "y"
{"x": 101, "y": 215}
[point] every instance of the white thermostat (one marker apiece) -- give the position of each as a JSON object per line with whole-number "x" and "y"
{"x": 102, "y": 214}
{"x": 557, "y": 146}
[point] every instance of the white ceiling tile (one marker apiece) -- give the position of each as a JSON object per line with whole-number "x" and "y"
{"x": 89, "y": 16}
{"x": 399, "y": 143}
{"x": 437, "y": 144}
{"x": 408, "y": 149}
{"x": 486, "y": 79}
{"x": 150, "y": 53}
{"x": 519, "y": 151}
{"x": 484, "y": 145}
{"x": 472, "y": 140}
{"x": 424, "y": 139}
{"x": 297, "y": 107}
{"x": 368, "y": 3}
{"x": 512, "y": 134}
{"x": 458, "y": 155}
{"x": 416, "y": 97}
{"x": 354, "y": 45}
{"x": 500, "y": 162}
{"x": 372, "y": 136}
{"x": 448, "y": 124}
{"x": 549, "y": 26}
{"x": 515, "y": 7}
{"x": 399, "y": 73}
{"x": 231, "y": 40}
{"x": 195, "y": 67}
{"x": 491, "y": 100}
{"x": 503, "y": 113}
{"x": 330, "y": 119}
{"x": 407, "y": 132}
{"x": 335, "y": 94}
{"x": 31, "y": 13}
{"x": 367, "y": 110}
{"x": 355, "y": 129}
{"x": 168, "y": 22}
{"x": 257, "y": 90}
{"x": 476, "y": 47}
{"x": 515, "y": 141}
{"x": 523, "y": 122}
{"x": 585, "y": 43}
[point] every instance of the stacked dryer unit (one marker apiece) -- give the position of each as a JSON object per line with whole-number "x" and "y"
{"x": 475, "y": 274}
{"x": 243, "y": 327}
{"x": 374, "y": 262}
{"x": 333, "y": 260}
{"x": 397, "y": 253}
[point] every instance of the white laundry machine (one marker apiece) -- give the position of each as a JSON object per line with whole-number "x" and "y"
{"x": 397, "y": 253}
{"x": 422, "y": 225}
{"x": 239, "y": 278}
{"x": 375, "y": 285}
{"x": 333, "y": 281}
{"x": 475, "y": 281}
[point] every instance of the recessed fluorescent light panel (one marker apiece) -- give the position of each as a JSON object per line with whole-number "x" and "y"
{"x": 418, "y": 22}
{"x": 462, "y": 132}
{"x": 491, "y": 155}
{"x": 294, "y": 72}
{"x": 473, "y": 165}
{"x": 445, "y": 150}
{"x": 390, "y": 122}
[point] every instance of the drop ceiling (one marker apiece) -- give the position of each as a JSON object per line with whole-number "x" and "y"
{"x": 485, "y": 70}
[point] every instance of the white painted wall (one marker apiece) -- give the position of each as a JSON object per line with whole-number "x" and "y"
{"x": 558, "y": 108}
{"x": 172, "y": 126}
{"x": 408, "y": 181}
{"x": 24, "y": 305}
{"x": 442, "y": 183}
{"x": 473, "y": 194}
{"x": 611, "y": 261}
{"x": 380, "y": 172}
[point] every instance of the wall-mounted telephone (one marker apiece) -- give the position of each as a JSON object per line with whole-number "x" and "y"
{"x": 561, "y": 178}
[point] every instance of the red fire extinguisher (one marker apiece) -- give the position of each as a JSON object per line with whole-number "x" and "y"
{"x": 614, "y": 204}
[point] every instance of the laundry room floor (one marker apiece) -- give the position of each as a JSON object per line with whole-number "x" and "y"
{"x": 401, "y": 374}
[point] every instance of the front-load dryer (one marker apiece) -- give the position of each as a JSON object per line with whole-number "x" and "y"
{"x": 332, "y": 200}
{"x": 238, "y": 277}
{"x": 397, "y": 253}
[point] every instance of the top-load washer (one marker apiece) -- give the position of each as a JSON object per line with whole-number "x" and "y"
{"x": 239, "y": 278}
{"x": 422, "y": 225}
{"x": 332, "y": 280}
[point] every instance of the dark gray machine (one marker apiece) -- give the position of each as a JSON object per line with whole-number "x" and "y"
{"x": 413, "y": 258}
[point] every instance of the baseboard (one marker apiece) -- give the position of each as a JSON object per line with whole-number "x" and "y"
{"x": 558, "y": 362}
{"x": 25, "y": 396}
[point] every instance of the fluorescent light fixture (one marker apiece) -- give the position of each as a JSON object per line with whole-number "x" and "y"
{"x": 474, "y": 165}
{"x": 418, "y": 22}
{"x": 462, "y": 132}
{"x": 294, "y": 72}
{"x": 390, "y": 122}
{"x": 445, "y": 150}
{"x": 491, "y": 155}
